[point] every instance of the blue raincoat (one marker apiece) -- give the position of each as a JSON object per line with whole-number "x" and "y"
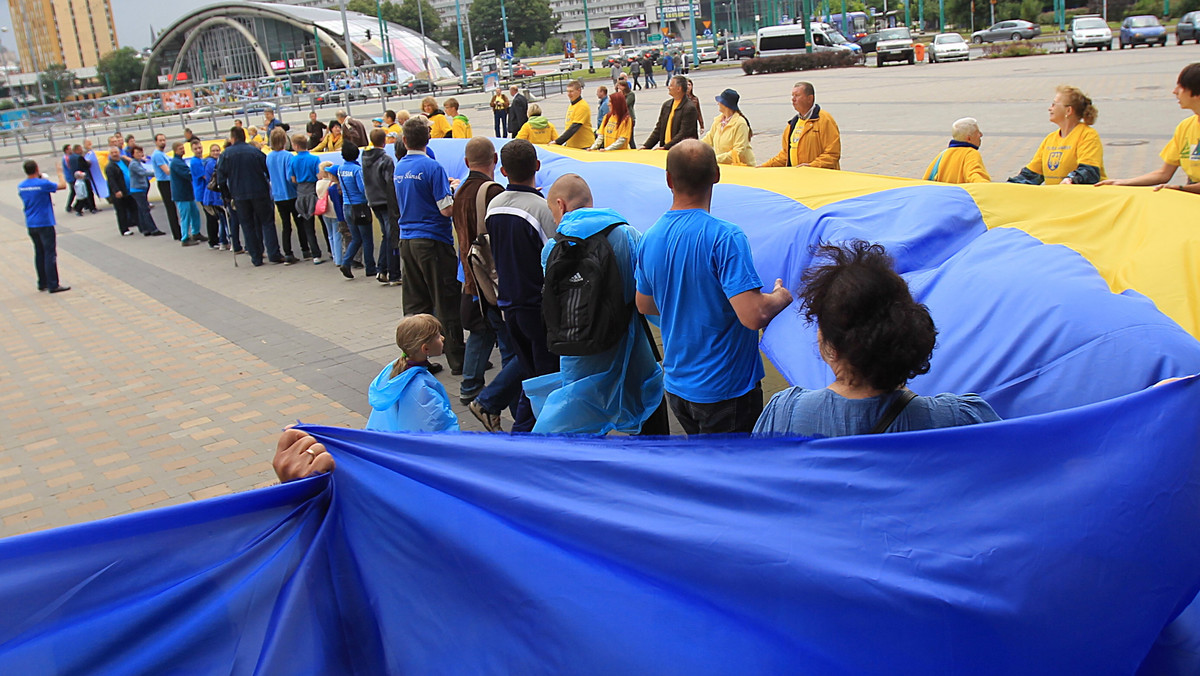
{"x": 617, "y": 389}
{"x": 413, "y": 401}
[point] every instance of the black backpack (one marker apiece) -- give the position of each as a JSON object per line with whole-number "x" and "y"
{"x": 583, "y": 296}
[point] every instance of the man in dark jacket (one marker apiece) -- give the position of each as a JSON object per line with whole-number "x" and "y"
{"x": 518, "y": 111}
{"x": 242, "y": 170}
{"x": 677, "y": 120}
{"x": 184, "y": 195}
{"x": 378, "y": 169}
{"x": 117, "y": 174}
{"x": 315, "y": 129}
{"x": 352, "y": 129}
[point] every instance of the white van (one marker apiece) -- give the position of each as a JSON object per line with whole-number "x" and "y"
{"x": 789, "y": 39}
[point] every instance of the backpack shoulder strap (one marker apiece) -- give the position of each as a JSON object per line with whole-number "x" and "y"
{"x": 893, "y": 411}
{"x": 481, "y": 202}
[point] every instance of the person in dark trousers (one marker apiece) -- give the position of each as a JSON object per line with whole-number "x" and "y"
{"x": 479, "y": 316}
{"x": 315, "y": 129}
{"x": 242, "y": 169}
{"x": 378, "y": 168}
{"x": 69, "y": 174}
{"x": 79, "y": 163}
{"x": 117, "y": 174}
{"x": 139, "y": 189}
{"x": 427, "y": 258}
{"x": 35, "y": 193}
{"x": 519, "y": 223}
{"x": 184, "y": 191}
{"x": 677, "y": 120}
{"x": 358, "y": 212}
{"x": 648, "y": 67}
{"x": 518, "y": 111}
{"x": 162, "y": 176}
{"x": 283, "y": 192}
{"x": 303, "y": 173}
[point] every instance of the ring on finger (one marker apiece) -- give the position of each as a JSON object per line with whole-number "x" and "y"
{"x": 310, "y": 452}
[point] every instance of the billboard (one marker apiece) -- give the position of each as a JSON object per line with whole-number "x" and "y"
{"x": 627, "y": 23}
{"x": 678, "y": 11}
{"x": 177, "y": 99}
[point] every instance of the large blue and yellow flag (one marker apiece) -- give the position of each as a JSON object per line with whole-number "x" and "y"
{"x": 1061, "y": 540}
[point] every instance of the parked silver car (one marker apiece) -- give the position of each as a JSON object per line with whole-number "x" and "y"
{"x": 948, "y": 47}
{"x": 1015, "y": 29}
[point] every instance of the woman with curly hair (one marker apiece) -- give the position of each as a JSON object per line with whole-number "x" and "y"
{"x": 875, "y": 338}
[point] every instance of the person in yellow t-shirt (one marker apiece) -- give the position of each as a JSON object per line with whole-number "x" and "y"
{"x": 616, "y": 129}
{"x": 460, "y": 126}
{"x": 579, "y": 132}
{"x": 1183, "y": 150}
{"x": 961, "y": 162}
{"x": 392, "y": 126}
{"x": 1073, "y": 153}
{"x": 439, "y": 125}
{"x": 537, "y": 129}
{"x": 730, "y": 133}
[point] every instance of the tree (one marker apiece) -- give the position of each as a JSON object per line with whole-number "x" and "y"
{"x": 529, "y": 21}
{"x": 57, "y": 82}
{"x": 123, "y": 69}
{"x": 600, "y": 39}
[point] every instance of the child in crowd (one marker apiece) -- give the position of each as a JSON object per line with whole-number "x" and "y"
{"x": 82, "y": 193}
{"x": 332, "y": 218}
{"x": 405, "y": 397}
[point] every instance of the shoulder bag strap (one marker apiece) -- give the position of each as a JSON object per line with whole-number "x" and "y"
{"x": 481, "y": 202}
{"x": 893, "y": 411}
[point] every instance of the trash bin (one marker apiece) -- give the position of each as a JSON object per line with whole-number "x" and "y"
{"x": 919, "y": 48}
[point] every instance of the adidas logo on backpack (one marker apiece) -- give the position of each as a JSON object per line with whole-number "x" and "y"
{"x": 583, "y": 296}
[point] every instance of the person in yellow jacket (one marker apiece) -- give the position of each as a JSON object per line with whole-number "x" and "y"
{"x": 439, "y": 124}
{"x": 961, "y": 162}
{"x": 730, "y": 133}
{"x": 255, "y": 139}
{"x": 332, "y": 140}
{"x": 579, "y": 132}
{"x": 811, "y": 139}
{"x": 616, "y": 129}
{"x": 1071, "y": 154}
{"x": 537, "y": 130}
{"x": 460, "y": 126}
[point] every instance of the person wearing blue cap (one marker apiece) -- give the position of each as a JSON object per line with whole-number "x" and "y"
{"x": 730, "y": 133}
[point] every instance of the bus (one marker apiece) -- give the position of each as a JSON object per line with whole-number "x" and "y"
{"x": 854, "y": 25}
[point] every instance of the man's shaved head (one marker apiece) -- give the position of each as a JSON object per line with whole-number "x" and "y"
{"x": 692, "y": 167}
{"x": 480, "y": 153}
{"x": 573, "y": 192}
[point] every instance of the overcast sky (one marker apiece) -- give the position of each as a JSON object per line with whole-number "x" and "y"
{"x": 133, "y": 17}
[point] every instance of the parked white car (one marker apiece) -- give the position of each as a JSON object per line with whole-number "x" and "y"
{"x": 948, "y": 47}
{"x": 205, "y": 112}
{"x": 708, "y": 55}
{"x": 568, "y": 65}
{"x": 1089, "y": 31}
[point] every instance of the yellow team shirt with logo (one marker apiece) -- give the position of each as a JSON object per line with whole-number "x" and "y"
{"x": 1184, "y": 148}
{"x": 395, "y": 131}
{"x": 1058, "y": 156}
{"x": 614, "y": 130}
{"x": 438, "y": 126}
{"x": 579, "y": 112}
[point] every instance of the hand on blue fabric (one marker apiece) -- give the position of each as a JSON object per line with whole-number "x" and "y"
{"x": 298, "y": 454}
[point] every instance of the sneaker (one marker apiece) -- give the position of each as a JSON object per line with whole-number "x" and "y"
{"x": 435, "y": 368}
{"x": 491, "y": 421}
{"x": 157, "y": 233}
{"x": 289, "y": 260}
{"x": 397, "y": 282}
{"x": 127, "y": 233}
{"x": 466, "y": 399}
{"x": 382, "y": 278}
{"x": 60, "y": 288}
{"x": 318, "y": 260}
{"x": 239, "y": 252}
{"x": 199, "y": 238}
{"x": 214, "y": 247}
{"x": 189, "y": 242}
{"x": 346, "y": 272}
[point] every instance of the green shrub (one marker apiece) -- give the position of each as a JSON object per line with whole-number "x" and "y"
{"x": 793, "y": 62}
{"x": 1003, "y": 50}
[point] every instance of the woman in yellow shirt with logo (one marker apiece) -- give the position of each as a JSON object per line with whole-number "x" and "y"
{"x": 439, "y": 125}
{"x": 1073, "y": 153}
{"x": 616, "y": 129}
{"x": 730, "y": 133}
{"x": 1183, "y": 150}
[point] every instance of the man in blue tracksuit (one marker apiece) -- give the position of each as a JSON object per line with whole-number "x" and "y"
{"x": 242, "y": 169}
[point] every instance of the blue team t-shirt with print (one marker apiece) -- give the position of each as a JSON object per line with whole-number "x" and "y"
{"x": 692, "y": 263}
{"x": 421, "y": 186}
{"x": 39, "y": 209}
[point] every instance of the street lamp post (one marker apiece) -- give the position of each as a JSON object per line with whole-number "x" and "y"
{"x": 424, "y": 39}
{"x": 349, "y": 52}
{"x": 587, "y": 28}
{"x": 507, "y": 42}
{"x": 462, "y": 56}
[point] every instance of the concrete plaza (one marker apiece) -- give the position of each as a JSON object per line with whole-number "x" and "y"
{"x": 165, "y": 375}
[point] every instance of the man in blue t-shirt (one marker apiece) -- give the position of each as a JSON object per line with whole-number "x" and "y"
{"x": 39, "y": 220}
{"x": 697, "y": 272}
{"x": 162, "y": 176}
{"x": 428, "y": 263}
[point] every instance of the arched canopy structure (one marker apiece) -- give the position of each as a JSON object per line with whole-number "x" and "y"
{"x": 236, "y": 40}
